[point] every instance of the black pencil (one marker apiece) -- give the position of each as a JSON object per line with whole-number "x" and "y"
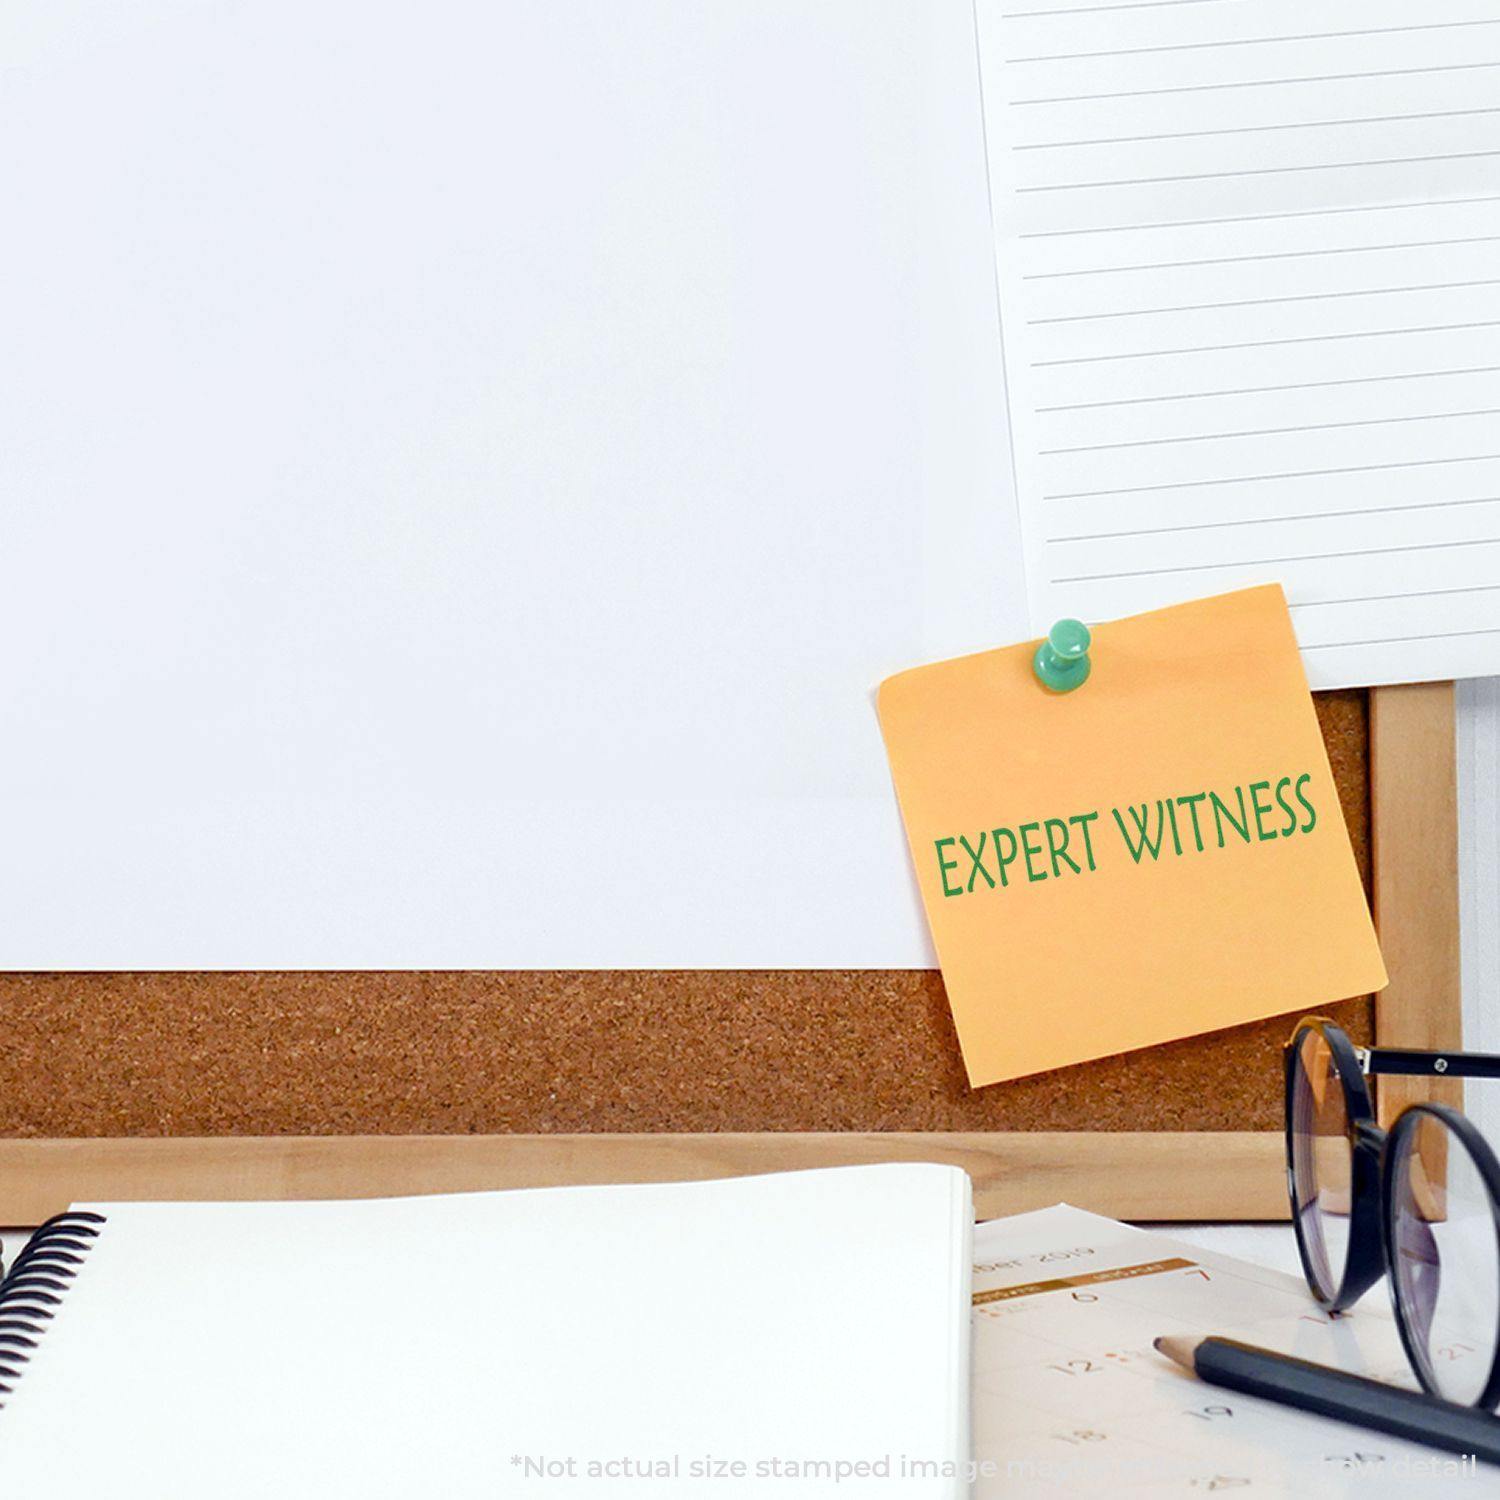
{"x": 1331, "y": 1393}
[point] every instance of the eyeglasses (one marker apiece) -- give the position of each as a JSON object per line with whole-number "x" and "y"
{"x": 1420, "y": 1203}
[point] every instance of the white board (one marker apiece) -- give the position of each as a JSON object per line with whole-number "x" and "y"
{"x": 464, "y": 466}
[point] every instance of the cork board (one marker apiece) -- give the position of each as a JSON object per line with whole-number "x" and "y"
{"x": 461, "y": 1053}
{"x": 710, "y": 1056}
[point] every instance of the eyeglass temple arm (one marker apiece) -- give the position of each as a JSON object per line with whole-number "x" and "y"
{"x": 1401, "y": 1063}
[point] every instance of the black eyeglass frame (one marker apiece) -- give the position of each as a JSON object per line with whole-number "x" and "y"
{"x": 1374, "y": 1153}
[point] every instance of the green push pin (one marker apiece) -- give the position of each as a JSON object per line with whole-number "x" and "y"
{"x": 1062, "y": 660}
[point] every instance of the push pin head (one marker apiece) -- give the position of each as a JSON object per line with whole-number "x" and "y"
{"x": 1062, "y": 660}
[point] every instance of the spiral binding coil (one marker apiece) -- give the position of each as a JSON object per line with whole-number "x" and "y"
{"x": 30, "y": 1291}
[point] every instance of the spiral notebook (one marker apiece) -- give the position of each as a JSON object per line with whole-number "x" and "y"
{"x": 727, "y": 1338}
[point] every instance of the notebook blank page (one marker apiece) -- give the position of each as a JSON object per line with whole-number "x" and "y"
{"x": 416, "y": 1347}
{"x": 1251, "y": 303}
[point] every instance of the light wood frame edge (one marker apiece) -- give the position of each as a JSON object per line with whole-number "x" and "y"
{"x": 1414, "y": 855}
{"x": 1163, "y": 1175}
{"x": 1127, "y": 1174}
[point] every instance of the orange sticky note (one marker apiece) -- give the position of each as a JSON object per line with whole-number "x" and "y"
{"x": 1159, "y": 852}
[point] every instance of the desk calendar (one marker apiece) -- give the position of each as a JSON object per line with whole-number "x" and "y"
{"x": 1071, "y": 1399}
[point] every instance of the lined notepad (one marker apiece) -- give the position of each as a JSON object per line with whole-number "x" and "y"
{"x": 1249, "y": 260}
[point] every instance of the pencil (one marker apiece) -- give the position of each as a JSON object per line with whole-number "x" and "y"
{"x": 1331, "y": 1393}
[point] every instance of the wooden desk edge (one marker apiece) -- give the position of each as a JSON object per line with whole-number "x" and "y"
{"x": 1187, "y": 1175}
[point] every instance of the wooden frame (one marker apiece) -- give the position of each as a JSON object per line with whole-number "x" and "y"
{"x": 1184, "y": 1175}
{"x": 1414, "y": 795}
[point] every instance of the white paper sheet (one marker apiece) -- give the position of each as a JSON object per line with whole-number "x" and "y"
{"x": 491, "y": 1344}
{"x": 1251, "y": 307}
{"x": 464, "y": 467}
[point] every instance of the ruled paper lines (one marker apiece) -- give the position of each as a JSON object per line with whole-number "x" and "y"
{"x": 1249, "y": 273}
{"x": 1317, "y": 166}
{"x": 1401, "y": 640}
{"x": 1239, "y": 260}
{"x": 1303, "y": 515}
{"x": 1257, "y": 41}
{"x": 1374, "y": 291}
{"x": 1194, "y": 484}
{"x": 1090, "y": 10}
{"x": 1270, "y": 562}
{"x": 1313, "y": 338}
{"x": 1301, "y": 213}
{"x": 1259, "y": 83}
{"x": 1189, "y": 135}
{"x": 1250, "y": 432}
{"x": 1261, "y": 390}
{"x": 1465, "y": 588}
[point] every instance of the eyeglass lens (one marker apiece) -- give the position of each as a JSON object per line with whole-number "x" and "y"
{"x": 1447, "y": 1259}
{"x": 1322, "y": 1162}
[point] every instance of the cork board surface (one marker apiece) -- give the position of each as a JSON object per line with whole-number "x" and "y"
{"x": 324, "y": 1053}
